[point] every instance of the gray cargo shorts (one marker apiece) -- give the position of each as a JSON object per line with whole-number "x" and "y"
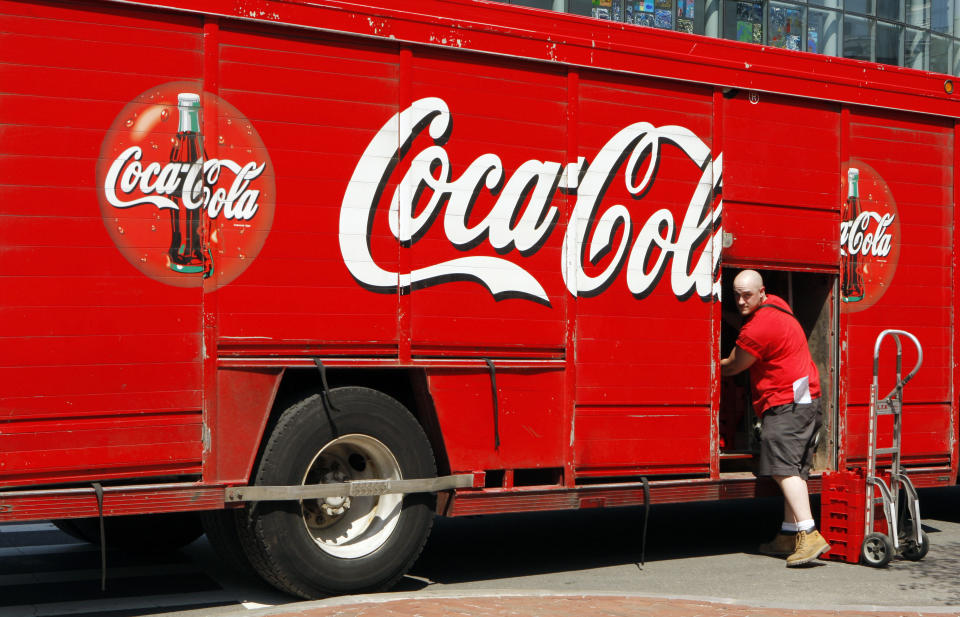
{"x": 786, "y": 442}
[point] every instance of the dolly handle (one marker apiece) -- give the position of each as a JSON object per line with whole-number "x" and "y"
{"x": 896, "y": 337}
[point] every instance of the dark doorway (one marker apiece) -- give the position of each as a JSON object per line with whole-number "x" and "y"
{"x": 812, "y": 296}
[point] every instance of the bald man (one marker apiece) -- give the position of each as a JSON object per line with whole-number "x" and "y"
{"x": 786, "y": 396}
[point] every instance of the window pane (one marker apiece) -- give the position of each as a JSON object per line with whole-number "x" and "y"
{"x": 956, "y": 58}
{"x": 915, "y": 49}
{"x": 822, "y": 32}
{"x": 607, "y": 9}
{"x": 785, "y": 26}
{"x": 686, "y": 15}
{"x": 888, "y": 43}
{"x": 641, "y": 12}
{"x": 743, "y": 21}
{"x": 939, "y": 54}
{"x": 956, "y": 18}
{"x": 537, "y": 4}
{"x": 890, "y": 9}
{"x": 918, "y": 13}
{"x": 941, "y": 16}
{"x": 859, "y": 6}
{"x": 857, "y": 41}
{"x": 580, "y": 7}
{"x": 663, "y": 14}
{"x": 834, "y": 4}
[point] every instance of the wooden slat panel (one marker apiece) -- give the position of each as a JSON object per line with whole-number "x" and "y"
{"x": 926, "y": 431}
{"x": 646, "y": 436}
{"x": 530, "y": 421}
{"x": 765, "y": 235}
{"x": 781, "y": 151}
{"x": 914, "y": 157}
{"x": 39, "y": 451}
{"x": 101, "y": 366}
{"x": 322, "y": 103}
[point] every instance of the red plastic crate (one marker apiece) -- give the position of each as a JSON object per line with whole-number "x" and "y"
{"x": 842, "y": 513}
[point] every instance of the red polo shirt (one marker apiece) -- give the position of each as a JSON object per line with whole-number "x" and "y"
{"x": 783, "y": 372}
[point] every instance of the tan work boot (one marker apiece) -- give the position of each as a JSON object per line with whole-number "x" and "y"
{"x": 782, "y": 545}
{"x": 810, "y": 545}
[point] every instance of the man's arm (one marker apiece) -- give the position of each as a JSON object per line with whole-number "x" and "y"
{"x": 738, "y": 361}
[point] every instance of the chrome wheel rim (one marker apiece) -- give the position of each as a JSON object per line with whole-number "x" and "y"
{"x": 351, "y": 527}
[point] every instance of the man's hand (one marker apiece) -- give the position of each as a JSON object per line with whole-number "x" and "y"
{"x": 737, "y": 362}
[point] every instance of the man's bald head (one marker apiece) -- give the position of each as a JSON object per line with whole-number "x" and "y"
{"x": 749, "y": 291}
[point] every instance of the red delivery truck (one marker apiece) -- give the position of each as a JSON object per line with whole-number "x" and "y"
{"x": 318, "y": 271}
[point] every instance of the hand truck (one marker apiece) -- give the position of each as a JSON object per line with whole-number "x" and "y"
{"x": 908, "y": 541}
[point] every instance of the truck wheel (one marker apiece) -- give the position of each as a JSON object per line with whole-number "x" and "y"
{"x": 877, "y": 550}
{"x": 319, "y": 547}
{"x": 221, "y": 529}
{"x": 138, "y": 532}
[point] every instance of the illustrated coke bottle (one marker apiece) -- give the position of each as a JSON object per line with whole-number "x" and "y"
{"x": 851, "y": 287}
{"x": 188, "y": 252}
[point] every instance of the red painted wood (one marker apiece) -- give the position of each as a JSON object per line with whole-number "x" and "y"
{"x": 102, "y": 367}
{"x": 73, "y": 450}
{"x": 562, "y": 38}
{"x": 242, "y": 397}
{"x": 108, "y": 374}
{"x": 82, "y": 502}
{"x": 465, "y": 411}
{"x": 779, "y": 151}
{"x": 770, "y": 234}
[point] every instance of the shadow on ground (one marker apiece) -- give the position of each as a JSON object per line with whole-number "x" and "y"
{"x": 504, "y": 546}
{"x": 511, "y": 545}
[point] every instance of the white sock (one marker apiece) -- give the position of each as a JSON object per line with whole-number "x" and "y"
{"x": 806, "y": 525}
{"x": 789, "y": 527}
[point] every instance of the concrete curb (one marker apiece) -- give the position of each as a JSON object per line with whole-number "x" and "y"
{"x": 307, "y": 607}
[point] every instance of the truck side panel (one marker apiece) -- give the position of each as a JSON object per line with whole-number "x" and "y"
{"x": 316, "y": 102}
{"x": 101, "y": 367}
{"x": 507, "y": 117}
{"x": 644, "y": 338}
{"x": 919, "y": 290}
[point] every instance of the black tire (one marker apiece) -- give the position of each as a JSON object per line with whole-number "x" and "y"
{"x": 221, "y": 529}
{"x": 317, "y": 548}
{"x": 914, "y": 552}
{"x": 139, "y": 532}
{"x": 876, "y": 550}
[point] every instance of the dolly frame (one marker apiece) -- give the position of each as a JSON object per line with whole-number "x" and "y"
{"x": 891, "y": 404}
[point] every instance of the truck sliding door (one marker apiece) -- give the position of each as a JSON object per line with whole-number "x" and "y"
{"x": 781, "y": 216}
{"x": 645, "y": 279}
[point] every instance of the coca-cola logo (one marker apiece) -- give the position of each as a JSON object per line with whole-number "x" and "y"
{"x": 523, "y": 216}
{"x": 869, "y": 237}
{"x": 186, "y": 187}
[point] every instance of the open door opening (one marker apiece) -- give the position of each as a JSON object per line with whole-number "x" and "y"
{"x": 812, "y": 297}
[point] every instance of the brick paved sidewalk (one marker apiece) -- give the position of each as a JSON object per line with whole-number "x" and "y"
{"x": 569, "y": 606}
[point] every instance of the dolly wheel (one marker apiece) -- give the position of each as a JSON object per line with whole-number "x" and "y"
{"x": 877, "y": 550}
{"x": 914, "y": 552}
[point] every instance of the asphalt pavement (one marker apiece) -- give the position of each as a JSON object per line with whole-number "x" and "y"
{"x": 700, "y": 560}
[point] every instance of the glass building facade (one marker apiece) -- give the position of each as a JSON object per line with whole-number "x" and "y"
{"x": 920, "y": 34}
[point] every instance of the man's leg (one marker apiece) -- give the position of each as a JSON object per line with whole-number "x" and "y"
{"x": 786, "y": 437}
{"x": 784, "y": 543}
{"x": 810, "y": 544}
{"x": 796, "y": 499}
